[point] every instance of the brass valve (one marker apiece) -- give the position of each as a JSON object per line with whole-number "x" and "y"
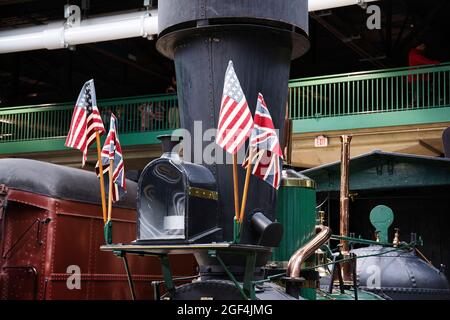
{"x": 321, "y": 217}
{"x": 396, "y": 241}
{"x": 377, "y": 236}
{"x": 353, "y": 196}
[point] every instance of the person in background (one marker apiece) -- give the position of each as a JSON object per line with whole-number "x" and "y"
{"x": 157, "y": 115}
{"x": 417, "y": 56}
{"x": 173, "y": 114}
{"x": 419, "y": 87}
{"x": 106, "y": 117}
{"x": 172, "y": 88}
{"x": 152, "y": 116}
{"x": 146, "y": 111}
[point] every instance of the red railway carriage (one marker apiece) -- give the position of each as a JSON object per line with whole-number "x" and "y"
{"x": 51, "y": 228}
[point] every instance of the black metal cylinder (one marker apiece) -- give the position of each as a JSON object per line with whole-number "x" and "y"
{"x": 169, "y": 142}
{"x": 260, "y": 37}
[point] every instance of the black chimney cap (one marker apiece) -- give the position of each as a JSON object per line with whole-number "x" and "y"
{"x": 169, "y": 142}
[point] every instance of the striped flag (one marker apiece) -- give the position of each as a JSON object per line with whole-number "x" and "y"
{"x": 86, "y": 121}
{"x": 263, "y": 134}
{"x": 267, "y": 155}
{"x": 235, "y": 118}
{"x": 113, "y": 151}
{"x": 266, "y": 166}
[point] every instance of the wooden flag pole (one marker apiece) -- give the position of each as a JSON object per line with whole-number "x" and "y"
{"x": 108, "y": 224}
{"x": 246, "y": 184}
{"x": 102, "y": 180}
{"x": 236, "y": 187}
{"x": 110, "y": 197}
{"x": 236, "y": 227}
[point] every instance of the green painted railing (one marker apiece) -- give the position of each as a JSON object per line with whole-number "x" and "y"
{"x": 370, "y": 92}
{"x": 363, "y": 94}
{"x": 135, "y": 114}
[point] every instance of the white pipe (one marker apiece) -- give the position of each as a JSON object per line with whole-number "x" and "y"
{"x": 316, "y": 5}
{"x": 58, "y": 35}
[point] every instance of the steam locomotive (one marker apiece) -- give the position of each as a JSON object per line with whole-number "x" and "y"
{"x": 185, "y": 209}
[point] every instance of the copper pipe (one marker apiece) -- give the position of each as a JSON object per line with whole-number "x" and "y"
{"x": 323, "y": 234}
{"x": 344, "y": 198}
{"x": 344, "y": 204}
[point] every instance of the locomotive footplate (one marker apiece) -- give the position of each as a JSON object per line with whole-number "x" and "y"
{"x": 214, "y": 250}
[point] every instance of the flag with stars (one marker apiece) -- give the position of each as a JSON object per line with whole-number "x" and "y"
{"x": 235, "y": 118}
{"x": 113, "y": 151}
{"x": 86, "y": 121}
{"x": 267, "y": 154}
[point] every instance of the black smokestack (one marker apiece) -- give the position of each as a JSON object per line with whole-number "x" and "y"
{"x": 169, "y": 142}
{"x": 260, "y": 37}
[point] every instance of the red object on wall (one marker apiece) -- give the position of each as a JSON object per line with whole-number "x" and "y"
{"x": 42, "y": 237}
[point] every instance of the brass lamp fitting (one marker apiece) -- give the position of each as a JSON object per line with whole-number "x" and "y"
{"x": 396, "y": 241}
{"x": 321, "y": 218}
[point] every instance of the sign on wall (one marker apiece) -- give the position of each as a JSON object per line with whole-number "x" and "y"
{"x": 321, "y": 142}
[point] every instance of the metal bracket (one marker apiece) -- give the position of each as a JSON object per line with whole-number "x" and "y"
{"x": 72, "y": 13}
{"x": 19, "y": 239}
{"x": 203, "y": 193}
{"x": 123, "y": 255}
{"x": 167, "y": 274}
{"x": 247, "y": 289}
{"x": 362, "y": 4}
{"x": 336, "y": 268}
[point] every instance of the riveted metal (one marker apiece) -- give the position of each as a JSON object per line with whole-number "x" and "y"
{"x": 203, "y": 193}
{"x": 296, "y": 182}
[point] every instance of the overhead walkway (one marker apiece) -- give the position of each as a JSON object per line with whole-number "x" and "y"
{"x": 398, "y": 110}
{"x": 39, "y": 131}
{"x": 401, "y": 110}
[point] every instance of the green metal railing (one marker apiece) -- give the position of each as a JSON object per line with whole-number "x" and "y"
{"x": 136, "y": 114}
{"x": 370, "y": 92}
{"x": 361, "y": 93}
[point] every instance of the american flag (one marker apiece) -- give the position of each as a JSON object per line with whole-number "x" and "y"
{"x": 86, "y": 121}
{"x": 113, "y": 151}
{"x": 235, "y": 118}
{"x": 267, "y": 155}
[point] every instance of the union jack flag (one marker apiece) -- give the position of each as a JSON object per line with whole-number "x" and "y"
{"x": 113, "y": 151}
{"x": 267, "y": 154}
{"x": 235, "y": 118}
{"x": 86, "y": 121}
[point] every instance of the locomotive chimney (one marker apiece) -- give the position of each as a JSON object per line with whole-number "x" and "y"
{"x": 261, "y": 37}
{"x": 169, "y": 143}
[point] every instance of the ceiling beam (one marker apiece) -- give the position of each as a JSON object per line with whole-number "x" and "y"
{"x": 421, "y": 27}
{"x": 363, "y": 53}
{"x": 125, "y": 60}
